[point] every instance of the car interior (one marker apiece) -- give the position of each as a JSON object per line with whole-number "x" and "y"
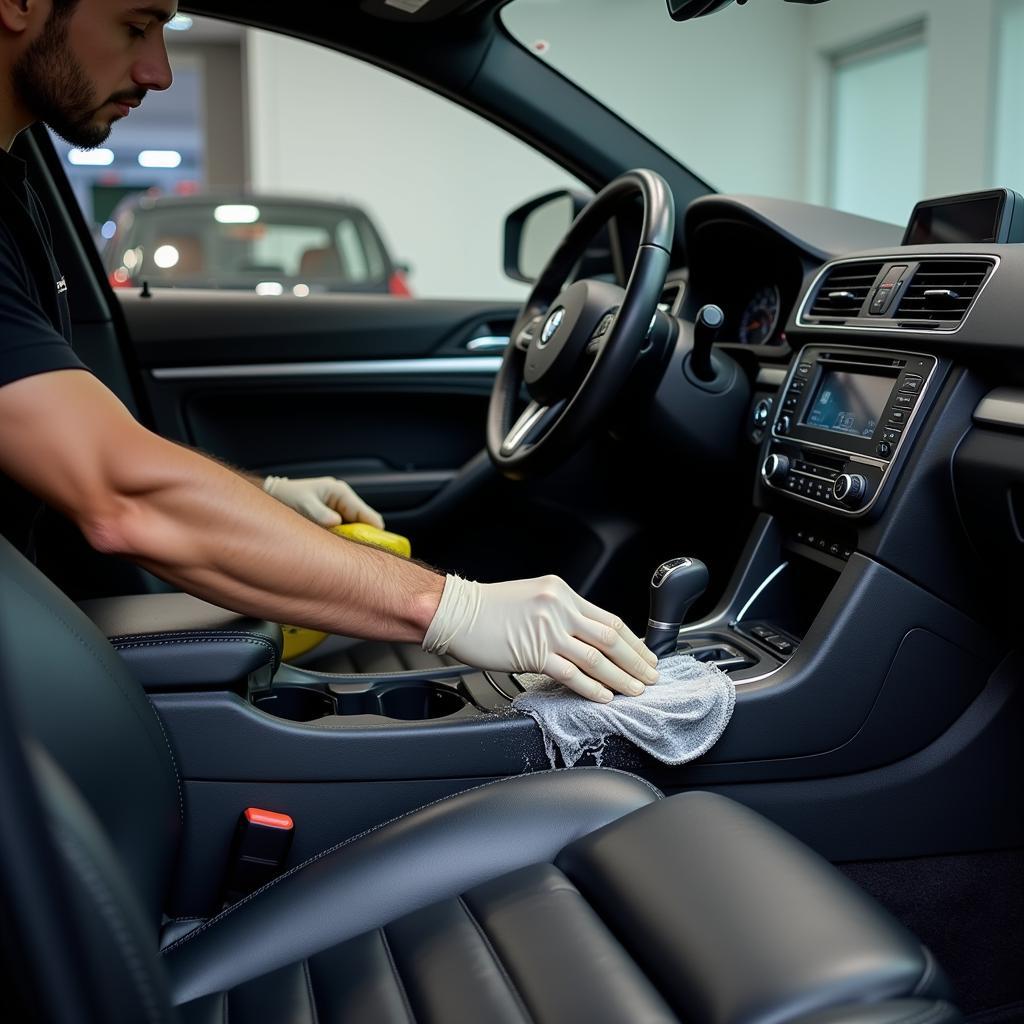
{"x": 826, "y": 410}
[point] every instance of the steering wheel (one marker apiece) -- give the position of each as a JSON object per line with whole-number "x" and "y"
{"x": 574, "y": 348}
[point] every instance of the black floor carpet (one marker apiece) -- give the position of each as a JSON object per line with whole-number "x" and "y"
{"x": 969, "y": 911}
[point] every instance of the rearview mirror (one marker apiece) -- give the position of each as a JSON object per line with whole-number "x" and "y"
{"x": 684, "y": 10}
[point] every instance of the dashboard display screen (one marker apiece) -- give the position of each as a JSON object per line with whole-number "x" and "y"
{"x": 973, "y": 220}
{"x": 848, "y": 403}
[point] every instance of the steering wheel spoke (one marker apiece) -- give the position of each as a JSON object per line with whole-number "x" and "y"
{"x": 532, "y": 423}
{"x": 524, "y": 334}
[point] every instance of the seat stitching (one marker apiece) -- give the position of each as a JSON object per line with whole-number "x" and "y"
{"x": 351, "y": 839}
{"x": 112, "y": 672}
{"x": 174, "y": 762}
{"x": 488, "y": 945}
{"x": 118, "y": 645}
{"x": 80, "y": 861}
{"x": 398, "y": 978}
{"x": 200, "y": 633}
{"x": 309, "y": 989}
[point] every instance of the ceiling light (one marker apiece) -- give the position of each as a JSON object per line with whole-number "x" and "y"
{"x": 159, "y": 158}
{"x": 166, "y": 256}
{"x": 237, "y": 214}
{"x": 91, "y": 157}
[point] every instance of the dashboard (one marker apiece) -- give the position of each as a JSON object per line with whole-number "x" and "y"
{"x": 886, "y": 407}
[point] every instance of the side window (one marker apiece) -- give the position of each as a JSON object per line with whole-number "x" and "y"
{"x": 282, "y": 167}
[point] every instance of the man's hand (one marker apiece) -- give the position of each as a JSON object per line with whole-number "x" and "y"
{"x": 323, "y": 500}
{"x": 540, "y": 625}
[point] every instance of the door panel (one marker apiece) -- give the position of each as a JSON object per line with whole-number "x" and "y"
{"x": 389, "y": 394}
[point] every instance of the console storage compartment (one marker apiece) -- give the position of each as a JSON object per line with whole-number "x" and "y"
{"x": 178, "y": 642}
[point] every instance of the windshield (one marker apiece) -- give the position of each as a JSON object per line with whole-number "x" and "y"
{"x": 862, "y": 105}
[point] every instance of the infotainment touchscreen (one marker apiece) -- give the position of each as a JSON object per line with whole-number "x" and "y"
{"x": 848, "y": 403}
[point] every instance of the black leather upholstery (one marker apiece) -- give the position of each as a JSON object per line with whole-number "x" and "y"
{"x": 434, "y": 853}
{"x": 693, "y": 908}
{"x": 78, "y": 700}
{"x": 176, "y": 641}
{"x": 560, "y": 896}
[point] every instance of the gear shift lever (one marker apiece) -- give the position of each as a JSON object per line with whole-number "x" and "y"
{"x": 675, "y": 585}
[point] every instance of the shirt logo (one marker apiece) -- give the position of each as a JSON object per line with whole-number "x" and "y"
{"x": 62, "y": 286}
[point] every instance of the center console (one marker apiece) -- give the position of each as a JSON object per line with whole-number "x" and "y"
{"x": 845, "y": 419}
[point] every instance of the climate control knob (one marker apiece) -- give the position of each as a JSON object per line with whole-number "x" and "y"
{"x": 850, "y": 489}
{"x": 775, "y": 468}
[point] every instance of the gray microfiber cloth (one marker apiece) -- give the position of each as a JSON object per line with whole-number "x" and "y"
{"x": 679, "y": 718}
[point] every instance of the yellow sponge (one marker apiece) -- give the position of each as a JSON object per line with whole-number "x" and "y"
{"x": 298, "y": 640}
{"x": 367, "y": 534}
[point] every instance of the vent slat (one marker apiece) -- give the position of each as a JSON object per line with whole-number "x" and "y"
{"x": 963, "y": 278}
{"x": 855, "y": 280}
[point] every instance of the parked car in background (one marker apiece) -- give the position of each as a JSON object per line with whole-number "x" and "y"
{"x": 269, "y": 244}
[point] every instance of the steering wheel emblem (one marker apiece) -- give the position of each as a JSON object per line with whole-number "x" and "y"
{"x": 551, "y": 325}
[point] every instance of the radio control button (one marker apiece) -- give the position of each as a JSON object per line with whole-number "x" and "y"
{"x": 850, "y": 489}
{"x": 775, "y": 468}
{"x": 792, "y": 401}
{"x": 891, "y": 435}
{"x": 798, "y": 385}
{"x": 905, "y": 401}
{"x": 803, "y": 369}
{"x": 785, "y": 424}
{"x": 883, "y": 449}
{"x": 897, "y": 415}
{"x": 911, "y": 384}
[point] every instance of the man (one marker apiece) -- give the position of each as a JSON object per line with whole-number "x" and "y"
{"x": 79, "y": 65}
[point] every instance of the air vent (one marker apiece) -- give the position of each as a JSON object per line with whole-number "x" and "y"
{"x": 844, "y": 290}
{"x": 941, "y": 291}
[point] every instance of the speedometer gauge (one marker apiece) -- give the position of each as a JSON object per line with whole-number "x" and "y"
{"x": 761, "y": 316}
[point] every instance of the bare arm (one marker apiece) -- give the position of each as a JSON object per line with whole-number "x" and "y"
{"x": 67, "y": 438}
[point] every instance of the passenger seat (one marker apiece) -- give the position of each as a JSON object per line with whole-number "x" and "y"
{"x": 577, "y": 895}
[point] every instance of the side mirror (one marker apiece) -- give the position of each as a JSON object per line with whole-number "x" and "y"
{"x": 533, "y": 231}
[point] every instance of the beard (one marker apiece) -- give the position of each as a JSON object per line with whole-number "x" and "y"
{"x": 52, "y": 85}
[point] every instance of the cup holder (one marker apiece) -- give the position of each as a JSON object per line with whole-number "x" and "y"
{"x": 407, "y": 702}
{"x": 295, "y": 703}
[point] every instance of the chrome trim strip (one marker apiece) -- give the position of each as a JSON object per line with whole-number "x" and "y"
{"x": 334, "y": 368}
{"x": 490, "y": 343}
{"x": 862, "y": 325}
{"x": 886, "y": 467}
{"x": 771, "y": 376}
{"x": 1002, "y": 407}
{"x": 757, "y": 593}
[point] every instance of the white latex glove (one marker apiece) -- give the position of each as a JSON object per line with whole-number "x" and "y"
{"x": 540, "y": 625}
{"x": 323, "y": 499}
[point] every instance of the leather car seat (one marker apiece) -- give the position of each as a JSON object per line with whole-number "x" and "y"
{"x": 574, "y": 895}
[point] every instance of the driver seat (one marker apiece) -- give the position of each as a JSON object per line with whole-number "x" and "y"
{"x": 574, "y": 895}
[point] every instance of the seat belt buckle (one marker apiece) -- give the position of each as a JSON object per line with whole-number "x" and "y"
{"x": 261, "y": 844}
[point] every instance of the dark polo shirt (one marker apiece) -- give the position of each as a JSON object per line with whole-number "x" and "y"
{"x": 35, "y": 325}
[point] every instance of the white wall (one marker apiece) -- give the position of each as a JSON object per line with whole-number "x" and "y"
{"x": 437, "y": 179}
{"x": 742, "y": 98}
{"x": 960, "y": 34}
{"x": 724, "y": 94}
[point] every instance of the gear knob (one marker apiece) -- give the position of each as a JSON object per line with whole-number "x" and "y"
{"x": 675, "y": 585}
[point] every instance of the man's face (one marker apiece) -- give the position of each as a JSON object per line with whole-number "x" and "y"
{"x": 88, "y": 67}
